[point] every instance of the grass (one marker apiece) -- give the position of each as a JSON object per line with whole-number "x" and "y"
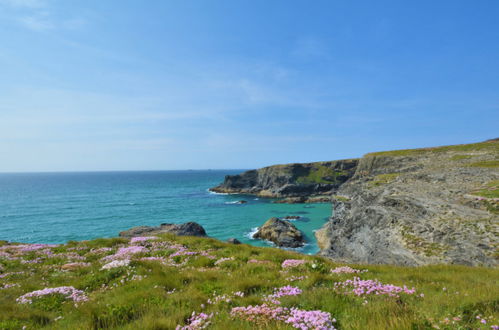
{"x": 461, "y": 157}
{"x": 382, "y": 179}
{"x": 320, "y": 174}
{"x": 419, "y": 245}
{"x": 490, "y": 146}
{"x": 486, "y": 163}
{"x": 491, "y": 190}
{"x": 151, "y": 294}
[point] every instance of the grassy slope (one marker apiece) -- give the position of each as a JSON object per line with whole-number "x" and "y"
{"x": 490, "y": 146}
{"x": 118, "y": 301}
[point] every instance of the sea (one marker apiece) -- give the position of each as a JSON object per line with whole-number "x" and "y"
{"x": 59, "y": 207}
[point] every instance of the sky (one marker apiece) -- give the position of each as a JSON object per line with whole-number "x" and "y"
{"x": 159, "y": 85}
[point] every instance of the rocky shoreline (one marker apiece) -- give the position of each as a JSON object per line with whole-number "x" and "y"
{"x": 291, "y": 180}
{"x": 404, "y": 207}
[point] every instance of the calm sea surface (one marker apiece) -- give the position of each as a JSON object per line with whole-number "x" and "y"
{"x": 57, "y": 207}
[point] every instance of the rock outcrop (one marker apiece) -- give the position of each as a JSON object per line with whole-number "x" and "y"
{"x": 184, "y": 229}
{"x": 421, "y": 206}
{"x": 280, "y": 232}
{"x": 291, "y": 180}
{"x": 304, "y": 199}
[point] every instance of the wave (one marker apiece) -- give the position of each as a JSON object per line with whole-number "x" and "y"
{"x": 251, "y": 233}
{"x": 216, "y": 193}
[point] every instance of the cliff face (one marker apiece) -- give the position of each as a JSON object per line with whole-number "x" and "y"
{"x": 405, "y": 207}
{"x": 291, "y": 180}
{"x": 422, "y": 206}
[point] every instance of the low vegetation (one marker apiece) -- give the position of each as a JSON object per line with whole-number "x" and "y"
{"x": 488, "y": 146}
{"x": 487, "y": 163}
{"x": 383, "y": 179}
{"x": 172, "y": 282}
{"x": 320, "y": 174}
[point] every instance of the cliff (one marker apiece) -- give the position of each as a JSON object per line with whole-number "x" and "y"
{"x": 405, "y": 207}
{"x": 421, "y": 206}
{"x": 291, "y": 180}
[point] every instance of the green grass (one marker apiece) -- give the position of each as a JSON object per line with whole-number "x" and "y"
{"x": 461, "y": 157}
{"x": 151, "y": 295}
{"x": 491, "y": 146}
{"x": 320, "y": 174}
{"x": 419, "y": 245}
{"x": 382, "y": 179}
{"x": 491, "y": 192}
{"x": 487, "y": 163}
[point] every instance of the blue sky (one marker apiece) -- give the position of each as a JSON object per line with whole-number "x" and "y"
{"x": 138, "y": 85}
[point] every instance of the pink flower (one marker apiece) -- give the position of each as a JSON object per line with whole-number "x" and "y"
{"x": 197, "y": 321}
{"x": 366, "y": 287}
{"x": 347, "y": 270}
{"x": 290, "y": 263}
{"x": 141, "y": 239}
{"x": 68, "y": 291}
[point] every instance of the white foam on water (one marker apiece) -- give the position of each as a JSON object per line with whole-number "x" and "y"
{"x": 251, "y": 233}
{"x": 216, "y": 193}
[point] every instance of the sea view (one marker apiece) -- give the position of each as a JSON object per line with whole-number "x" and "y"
{"x": 58, "y": 207}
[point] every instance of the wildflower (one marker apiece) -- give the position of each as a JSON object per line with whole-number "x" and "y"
{"x": 68, "y": 291}
{"x": 141, "y": 239}
{"x": 197, "y": 321}
{"x": 282, "y": 292}
{"x": 125, "y": 252}
{"x": 365, "y": 287}
{"x": 219, "y": 261}
{"x": 116, "y": 263}
{"x": 290, "y": 263}
{"x": 347, "y": 270}
{"x": 295, "y": 317}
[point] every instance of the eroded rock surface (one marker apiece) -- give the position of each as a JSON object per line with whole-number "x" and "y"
{"x": 415, "y": 207}
{"x": 291, "y": 180}
{"x": 184, "y": 229}
{"x": 281, "y": 232}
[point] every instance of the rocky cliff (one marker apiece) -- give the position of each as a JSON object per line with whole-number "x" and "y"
{"x": 291, "y": 180}
{"x": 421, "y": 206}
{"x": 406, "y": 207}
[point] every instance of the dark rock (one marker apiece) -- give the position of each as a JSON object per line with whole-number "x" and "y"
{"x": 233, "y": 241}
{"x": 304, "y": 199}
{"x": 291, "y": 180}
{"x": 241, "y": 202}
{"x": 280, "y": 232}
{"x": 184, "y": 229}
{"x": 291, "y": 217}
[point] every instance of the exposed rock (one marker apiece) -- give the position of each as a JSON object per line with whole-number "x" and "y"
{"x": 304, "y": 199}
{"x": 291, "y": 217}
{"x": 280, "y": 232}
{"x": 233, "y": 241}
{"x": 415, "y": 207}
{"x": 291, "y": 180}
{"x": 241, "y": 202}
{"x": 184, "y": 229}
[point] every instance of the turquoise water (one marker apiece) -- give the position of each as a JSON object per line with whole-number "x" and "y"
{"x": 57, "y": 207}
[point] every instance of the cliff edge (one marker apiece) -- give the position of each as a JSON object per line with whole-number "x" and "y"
{"x": 405, "y": 207}
{"x": 420, "y": 206}
{"x": 290, "y": 180}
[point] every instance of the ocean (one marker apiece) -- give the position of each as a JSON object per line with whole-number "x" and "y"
{"x": 58, "y": 207}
